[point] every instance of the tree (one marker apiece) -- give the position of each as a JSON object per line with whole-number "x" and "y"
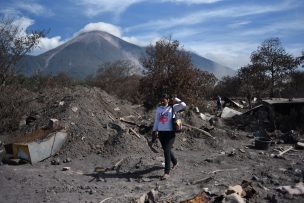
{"x": 169, "y": 70}
{"x": 253, "y": 82}
{"x": 228, "y": 86}
{"x": 205, "y": 83}
{"x": 13, "y": 46}
{"x": 295, "y": 88}
{"x": 117, "y": 78}
{"x": 272, "y": 59}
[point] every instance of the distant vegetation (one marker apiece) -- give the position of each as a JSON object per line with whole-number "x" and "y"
{"x": 168, "y": 70}
{"x": 272, "y": 73}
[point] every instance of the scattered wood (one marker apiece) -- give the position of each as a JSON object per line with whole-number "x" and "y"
{"x": 103, "y": 170}
{"x": 117, "y": 164}
{"x": 200, "y": 130}
{"x": 111, "y": 117}
{"x": 105, "y": 199}
{"x": 203, "y": 180}
{"x": 135, "y": 133}
{"x": 220, "y": 170}
{"x": 129, "y": 122}
{"x": 283, "y": 152}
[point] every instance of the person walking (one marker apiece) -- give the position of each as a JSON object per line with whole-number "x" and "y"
{"x": 218, "y": 103}
{"x": 163, "y": 129}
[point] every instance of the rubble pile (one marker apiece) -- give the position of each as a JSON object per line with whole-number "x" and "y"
{"x": 238, "y": 157}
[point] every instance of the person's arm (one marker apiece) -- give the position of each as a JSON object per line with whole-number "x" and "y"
{"x": 155, "y": 128}
{"x": 156, "y": 120}
{"x": 179, "y": 105}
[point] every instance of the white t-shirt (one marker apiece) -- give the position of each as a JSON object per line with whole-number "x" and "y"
{"x": 163, "y": 116}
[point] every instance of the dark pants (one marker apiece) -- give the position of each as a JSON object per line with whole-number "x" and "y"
{"x": 166, "y": 139}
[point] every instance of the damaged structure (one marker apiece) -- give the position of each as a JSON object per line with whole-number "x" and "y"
{"x": 39, "y": 144}
{"x": 273, "y": 114}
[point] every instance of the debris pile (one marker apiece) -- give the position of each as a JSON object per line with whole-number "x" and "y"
{"x": 232, "y": 157}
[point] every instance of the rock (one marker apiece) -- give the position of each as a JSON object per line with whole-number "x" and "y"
{"x": 146, "y": 180}
{"x": 232, "y": 153}
{"x": 298, "y": 189}
{"x": 142, "y": 199}
{"x": 300, "y": 145}
{"x": 66, "y": 168}
{"x": 153, "y": 196}
{"x": 22, "y": 122}
{"x": 241, "y": 150}
{"x": 74, "y": 109}
{"x": 236, "y": 189}
{"x": 55, "y": 161}
{"x": 298, "y": 172}
{"x": 234, "y": 198}
{"x": 250, "y": 136}
{"x": 271, "y": 198}
{"x": 53, "y": 123}
{"x": 118, "y": 127}
{"x": 210, "y": 160}
{"x": 199, "y": 198}
{"x": 255, "y": 178}
{"x": 61, "y": 103}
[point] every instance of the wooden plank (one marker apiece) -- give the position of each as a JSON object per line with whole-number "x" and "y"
{"x": 198, "y": 129}
{"x": 135, "y": 133}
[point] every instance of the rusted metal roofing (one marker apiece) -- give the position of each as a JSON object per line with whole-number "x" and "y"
{"x": 284, "y": 101}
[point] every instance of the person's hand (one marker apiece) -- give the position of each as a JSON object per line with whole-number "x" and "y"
{"x": 150, "y": 143}
{"x": 154, "y": 137}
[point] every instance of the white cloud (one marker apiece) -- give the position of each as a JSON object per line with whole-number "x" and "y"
{"x": 32, "y": 7}
{"x": 16, "y": 9}
{"x": 23, "y": 23}
{"x": 101, "y": 26}
{"x": 95, "y": 7}
{"x": 205, "y": 15}
{"x": 193, "y": 1}
{"x": 238, "y": 24}
{"x": 117, "y": 31}
{"x": 46, "y": 44}
{"x": 276, "y": 28}
{"x": 231, "y": 54}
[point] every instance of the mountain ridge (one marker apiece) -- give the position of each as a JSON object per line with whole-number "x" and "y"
{"x": 81, "y": 56}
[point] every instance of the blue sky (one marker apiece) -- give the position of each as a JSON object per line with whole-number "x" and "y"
{"x": 226, "y": 31}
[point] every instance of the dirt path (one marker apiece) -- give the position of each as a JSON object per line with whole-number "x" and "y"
{"x": 44, "y": 182}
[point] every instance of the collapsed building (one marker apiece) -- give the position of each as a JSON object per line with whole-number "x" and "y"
{"x": 273, "y": 114}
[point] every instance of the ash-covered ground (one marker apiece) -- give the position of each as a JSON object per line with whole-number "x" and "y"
{"x": 110, "y": 163}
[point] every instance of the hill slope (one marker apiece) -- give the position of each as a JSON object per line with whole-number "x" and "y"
{"x": 80, "y": 56}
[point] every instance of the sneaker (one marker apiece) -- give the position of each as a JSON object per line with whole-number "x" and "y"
{"x": 174, "y": 166}
{"x": 165, "y": 176}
